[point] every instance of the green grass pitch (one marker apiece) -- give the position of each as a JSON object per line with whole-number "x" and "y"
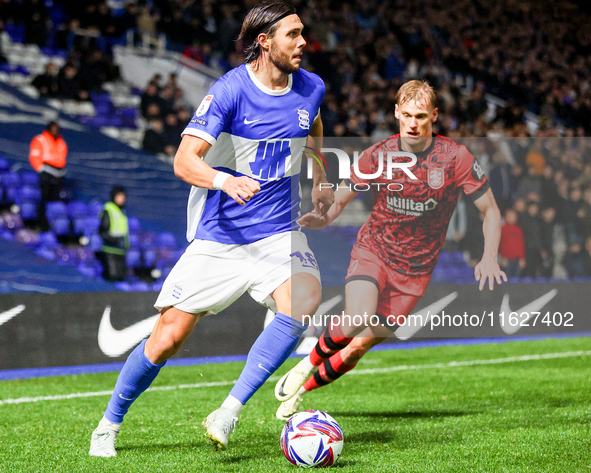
{"x": 424, "y": 411}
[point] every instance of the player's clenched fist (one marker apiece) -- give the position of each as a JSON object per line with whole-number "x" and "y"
{"x": 241, "y": 189}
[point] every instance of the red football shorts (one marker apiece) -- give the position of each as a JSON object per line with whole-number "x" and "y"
{"x": 399, "y": 293}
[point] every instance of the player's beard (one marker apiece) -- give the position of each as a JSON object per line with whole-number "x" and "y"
{"x": 282, "y": 61}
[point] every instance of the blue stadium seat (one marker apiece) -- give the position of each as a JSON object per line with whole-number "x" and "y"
{"x": 123, "y": 286}
{"x": 48, "y": 240}
{"x": 77, "y": 209}
{"x": 46, "y": 253}
{"x": 95, "y": 208}
{"x": 4, "y": 165}
{"x": 149, "y": 258}
{"x": 134, "y": 240}
{"x": 29, "y": 210}
{"x": 444, "y": 258}
{"x": 140, "y": 286}
{"x": 134, "y": 225}
{"x": 61, "y": 226}
{"x": 55, "y": 210}
{"x": 86, "y": 226}
{"x": 27, "y": 194}
{"x": 133, "y": 258}
{"x": 91, "y": 269}
{"x": 30, "y": 178}
{"x": 85, "y": 254}
{"x": 11, "y": 179}
{"x": 166, "y": 240}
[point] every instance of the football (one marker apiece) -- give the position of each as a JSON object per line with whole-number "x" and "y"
{"x": 312, "y": 439}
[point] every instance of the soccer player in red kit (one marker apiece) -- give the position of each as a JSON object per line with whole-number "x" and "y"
{"x": 397, "y": 248}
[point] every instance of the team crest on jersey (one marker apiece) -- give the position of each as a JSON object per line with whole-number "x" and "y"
{"x": 304, "y": 118}
{"x": 204, "y": 105}
{"x": 435, "y": 178}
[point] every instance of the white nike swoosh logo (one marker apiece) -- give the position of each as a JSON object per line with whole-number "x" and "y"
{"x": 115, "y": 343}
{"x": 124, "y": 398}
{"x": 248, "y": 122}
{"x": 406, "y": 331}
{"x": 532, "y": 307}
{"x": 9, "y": 314}
{"x": 308, "y": 343}
{"x": 263, "y": 368}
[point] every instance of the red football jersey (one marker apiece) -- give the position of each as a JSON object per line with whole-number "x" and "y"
{"x": 409, "y": 219}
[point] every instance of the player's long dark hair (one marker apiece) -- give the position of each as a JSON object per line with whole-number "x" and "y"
{"x": 263, "y": 18}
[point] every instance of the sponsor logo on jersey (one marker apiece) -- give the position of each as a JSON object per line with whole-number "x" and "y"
{"x": 204, "y": 105}
{"x": 436, "y": 178}
{"x": 304, "y": 118}
{"x": 410, "y": 207}
{"x": 477, "y": 171}
{"x": 353, "y": 267}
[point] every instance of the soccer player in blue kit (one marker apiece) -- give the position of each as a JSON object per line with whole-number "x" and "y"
{"x": 242, "y": 153}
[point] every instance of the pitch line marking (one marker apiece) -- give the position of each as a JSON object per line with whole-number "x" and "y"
{"x": 451, "y": 364}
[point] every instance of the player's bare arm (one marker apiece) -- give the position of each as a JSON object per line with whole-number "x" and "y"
{"x": 488, "y": 268}
{"x": 190, "y": 167}
{"x": 313, "y": 221}
{"x": 322, "y": 199}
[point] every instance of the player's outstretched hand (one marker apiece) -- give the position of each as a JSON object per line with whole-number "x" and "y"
{"x": 489, "y": 269}
{"x": 241, "y": 189}
{"x": 322, "y": 199}
{"x": 312, "y": 221}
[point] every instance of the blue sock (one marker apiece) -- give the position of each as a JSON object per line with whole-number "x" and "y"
{"x": 135, "y": 377}
{"x": 267, "y": 354}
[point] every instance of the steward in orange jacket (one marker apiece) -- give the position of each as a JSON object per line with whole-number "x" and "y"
{"x": 47, "y": 155}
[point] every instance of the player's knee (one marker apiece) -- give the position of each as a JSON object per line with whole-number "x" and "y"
{"x": 164, "y": 347}
{"x": 306, "y": 298}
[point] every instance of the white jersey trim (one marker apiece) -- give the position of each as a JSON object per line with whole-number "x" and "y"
{"x": 199, "y": 134}
{"x": 266, "y": 89}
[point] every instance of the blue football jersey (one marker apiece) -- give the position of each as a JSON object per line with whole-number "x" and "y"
{"x": 260, "y": 133}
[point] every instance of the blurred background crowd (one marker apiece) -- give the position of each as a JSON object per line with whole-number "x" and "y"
{"x": 533, "y": 57}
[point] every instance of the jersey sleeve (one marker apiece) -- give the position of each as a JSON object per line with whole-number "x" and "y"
{"x": 212, "y": 115}
{"x": 469, "y": 175}
{"x": 366, "y": 166}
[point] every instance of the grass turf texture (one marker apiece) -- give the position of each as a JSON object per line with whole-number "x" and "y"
{"x": 515, "y": 417}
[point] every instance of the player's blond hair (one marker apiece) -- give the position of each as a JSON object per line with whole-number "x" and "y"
{"x": 418, "y": 91}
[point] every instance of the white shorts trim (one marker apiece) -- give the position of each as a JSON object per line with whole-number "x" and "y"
{"x": 210, "y": 276}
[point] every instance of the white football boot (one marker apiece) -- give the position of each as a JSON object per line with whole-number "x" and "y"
{"x": 219, "y": 425}
{"x": 292, "y": 381}
{"x": 288, "y": 408}
{"x": 102, "y": 442}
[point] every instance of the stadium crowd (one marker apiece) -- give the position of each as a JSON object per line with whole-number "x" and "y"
{"x": 532, "y": 55}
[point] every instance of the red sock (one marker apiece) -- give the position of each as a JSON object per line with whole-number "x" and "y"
{"x": 329, "y": 343}
{"x": 329, "y": 371}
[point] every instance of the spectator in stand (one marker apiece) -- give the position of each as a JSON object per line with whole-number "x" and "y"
{"x": 114, "y": 230}
{"x": 36, "y": 22}
{"x": 47, "y": 154}
{"x": 547, "y": 231}
{"x": 149, "y": 97}
{"x": 572, "y": 222}
{"x": 530, "y": 183}
{"x": 573, "y": 260}
{"x": 173, "y": 130}
{"x": 584, "y": 214}
{"x": 531, "y": 226}
{"x": 154, "y": 138}
{"x": 502, "y": 181}
{"x": 512, "y": 246}
{"x": 70, "y": 86}
{"x": 47, "y": 83}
